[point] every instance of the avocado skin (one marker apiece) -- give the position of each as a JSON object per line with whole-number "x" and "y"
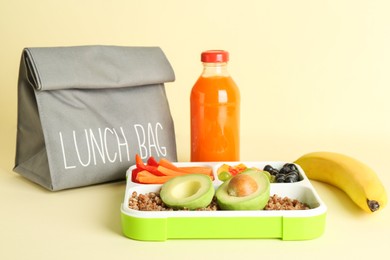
{"x": 255, "y": 201}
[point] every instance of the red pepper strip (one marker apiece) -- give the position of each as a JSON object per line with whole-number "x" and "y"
{"x": 140, "y": 165}
{"x": 134, "y": 174}
{"x": 154, "y": 170}
{"x": 152, "y": 162}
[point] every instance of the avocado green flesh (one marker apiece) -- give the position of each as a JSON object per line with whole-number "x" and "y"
{"x": 254, "y": 201}
{"x": 190, "y": 191}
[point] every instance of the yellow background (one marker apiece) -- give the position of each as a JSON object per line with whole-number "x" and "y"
{"x": 313, "y": 75}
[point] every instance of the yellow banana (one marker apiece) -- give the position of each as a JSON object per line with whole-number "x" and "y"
{"x": 355, "y": 178}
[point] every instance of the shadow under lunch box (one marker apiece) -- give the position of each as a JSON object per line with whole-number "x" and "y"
{"x": 281, "y": 224}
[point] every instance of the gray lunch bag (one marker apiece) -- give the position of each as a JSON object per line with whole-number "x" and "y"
{"x": 84, "y": 112}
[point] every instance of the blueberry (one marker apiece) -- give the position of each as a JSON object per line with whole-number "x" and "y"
{"x": 268, "y": 168}
{"x": 281, "y": 179}
{"x": 271, "y": 170}
{"x": 293, "y": 174}
{"x": 288, "y": 167}
{"x": 290, "y": 179}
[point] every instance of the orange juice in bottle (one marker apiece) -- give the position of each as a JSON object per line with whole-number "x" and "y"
{"x": 215, "y": 111}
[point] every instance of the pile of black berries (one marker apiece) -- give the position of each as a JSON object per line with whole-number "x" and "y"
{"x": 287, "y": 174}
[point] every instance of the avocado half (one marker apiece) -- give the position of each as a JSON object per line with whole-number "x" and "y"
{"x": 190, "y": 191}
{"x": 255, "y": 201}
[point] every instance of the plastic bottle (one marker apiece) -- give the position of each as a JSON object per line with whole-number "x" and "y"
{"x": 215, "y": 111}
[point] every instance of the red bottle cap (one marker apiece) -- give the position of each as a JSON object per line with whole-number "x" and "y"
{"x": 215, "y": 56}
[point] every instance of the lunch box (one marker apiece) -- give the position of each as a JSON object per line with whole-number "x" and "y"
{"x": 224, "y": 224}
